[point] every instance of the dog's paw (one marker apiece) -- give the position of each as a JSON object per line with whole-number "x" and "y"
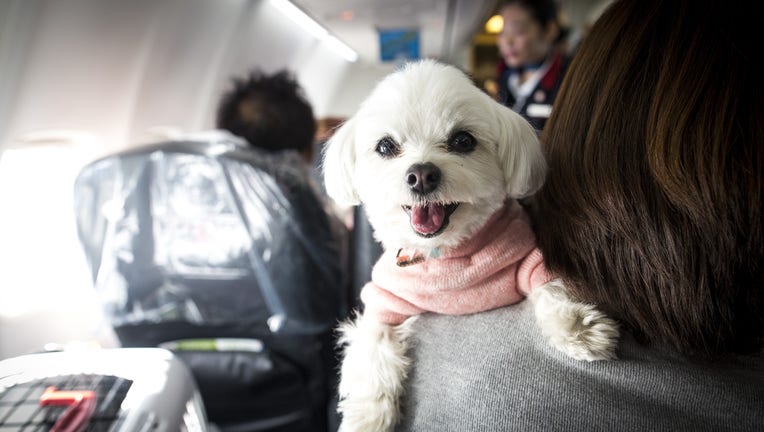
{"x": 372, "y": 375}
{"x": 577, "y": 329}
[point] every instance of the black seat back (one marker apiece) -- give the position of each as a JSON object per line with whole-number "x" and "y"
{"x": 194, "y": 245}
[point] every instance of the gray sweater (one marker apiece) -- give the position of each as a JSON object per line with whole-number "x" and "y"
{"x": 494, "y": 371}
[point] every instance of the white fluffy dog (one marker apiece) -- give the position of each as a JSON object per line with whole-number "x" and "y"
{"x": 439, "y": 165}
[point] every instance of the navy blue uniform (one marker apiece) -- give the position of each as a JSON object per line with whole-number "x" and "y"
{"x": 537, "y": 106}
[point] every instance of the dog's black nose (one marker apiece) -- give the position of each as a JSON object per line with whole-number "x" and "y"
{"x": 423, "y": 178}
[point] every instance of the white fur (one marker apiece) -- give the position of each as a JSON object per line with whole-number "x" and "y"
{"x": 373, "y": 372}
{"x": 577, "y": 329}
{"x": 419, "y": 107}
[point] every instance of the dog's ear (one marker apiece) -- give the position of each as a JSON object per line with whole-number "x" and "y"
{"x": 339, "y": 165}
{"x": 519, "y": 153}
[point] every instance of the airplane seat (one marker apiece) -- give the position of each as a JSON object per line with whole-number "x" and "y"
{"x": 366, "y": 251}
{"x": 222, "y": 253}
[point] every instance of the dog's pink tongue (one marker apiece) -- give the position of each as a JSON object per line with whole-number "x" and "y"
{"x": 427, "y": 219}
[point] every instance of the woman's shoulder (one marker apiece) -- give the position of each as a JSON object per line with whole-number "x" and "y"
{"x": 496, "y": 371}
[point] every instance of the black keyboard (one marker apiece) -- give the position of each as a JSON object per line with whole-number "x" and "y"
{"x": 21, "y": 410}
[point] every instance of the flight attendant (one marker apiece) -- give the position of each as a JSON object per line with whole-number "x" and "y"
{"x": 533, "y": 62}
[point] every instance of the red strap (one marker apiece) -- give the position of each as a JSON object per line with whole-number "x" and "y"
{"x": 81, "y": 405}
{"x": 552, "y": 74}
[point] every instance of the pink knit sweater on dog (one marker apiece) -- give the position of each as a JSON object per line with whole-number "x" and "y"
{"x": 497, "y": 267}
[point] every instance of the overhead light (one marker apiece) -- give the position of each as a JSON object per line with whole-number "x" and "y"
{"x": 341, "y": 48}
{"x": 315, "y": 29}
{"x": 300, "y": 18}
{"x": 494, "y": 25}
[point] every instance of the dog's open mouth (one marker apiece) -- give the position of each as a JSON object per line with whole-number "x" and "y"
{"x": 430, "y": 219}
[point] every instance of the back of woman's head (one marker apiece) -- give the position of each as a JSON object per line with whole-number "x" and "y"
{"x": 653, "y": 204}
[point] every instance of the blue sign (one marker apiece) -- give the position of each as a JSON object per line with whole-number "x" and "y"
{"x": 401, "y": 44}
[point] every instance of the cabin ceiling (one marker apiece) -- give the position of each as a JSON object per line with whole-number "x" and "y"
{"x": 446, "y": 26}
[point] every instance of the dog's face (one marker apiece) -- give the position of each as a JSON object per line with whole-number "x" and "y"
{"x": 431, "y": 157}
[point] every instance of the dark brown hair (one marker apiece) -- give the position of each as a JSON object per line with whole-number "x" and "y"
{"x": 653, "y": 204}
{"x": 269, "y": 111}
{"x": 544, "y": 12}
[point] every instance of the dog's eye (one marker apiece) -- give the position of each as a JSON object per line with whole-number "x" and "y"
{"x": 461, "y": 142}
{"x": 387, "y": 147}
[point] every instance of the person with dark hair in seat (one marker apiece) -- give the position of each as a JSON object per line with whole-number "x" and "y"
{"x": 223, "y": 252}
